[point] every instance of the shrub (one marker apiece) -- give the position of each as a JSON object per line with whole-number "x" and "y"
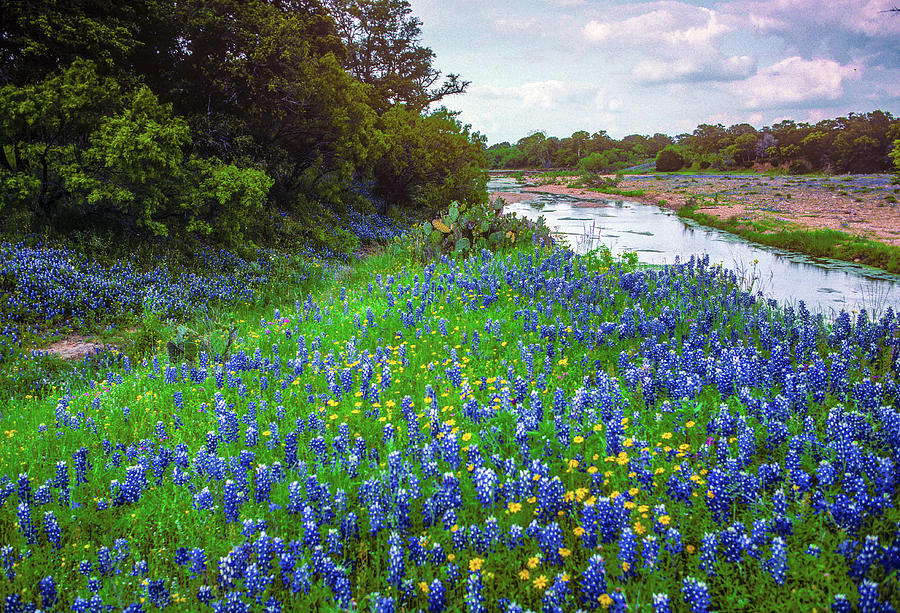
{"x": 467, "y": 228}
{"x": 669, "y": 160}
{"x": 798, "y": 167}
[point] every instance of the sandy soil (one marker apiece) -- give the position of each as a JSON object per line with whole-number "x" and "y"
{"x": 75, "y": 347}
{"x": 858, "y": 204}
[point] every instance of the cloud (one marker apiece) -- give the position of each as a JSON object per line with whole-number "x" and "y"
{"x": 678, "y": 42}
{"x": 687, "y": 69}
{"x": 545, "y": 95}
{"x": 674, "y": 24}
{"x": 794, "y": 80}
{"x": 514, "y": 26}
{"x": 866, "y": 17}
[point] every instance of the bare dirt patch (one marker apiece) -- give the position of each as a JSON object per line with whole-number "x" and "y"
{"x": 510, "y": 197}
{"x": 75, "y": 347}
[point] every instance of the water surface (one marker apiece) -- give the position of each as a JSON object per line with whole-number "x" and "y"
{"x": 659, "y": 236}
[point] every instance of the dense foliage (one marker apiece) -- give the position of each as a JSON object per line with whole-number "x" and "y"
{"x": 462, "y": 230}
{"x": 207, "y": 120}
{"x": 858, "y": 143}
{"x": 530, "y": 432}
{"x": 669, "y": 159}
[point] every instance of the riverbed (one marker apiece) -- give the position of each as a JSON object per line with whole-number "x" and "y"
{"x": 659, "y": 236}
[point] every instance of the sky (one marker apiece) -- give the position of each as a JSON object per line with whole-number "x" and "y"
{"x": 559, "y": 66}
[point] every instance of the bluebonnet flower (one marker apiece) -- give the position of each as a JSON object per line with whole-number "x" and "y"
{"x": 696, "y": 595}
{"x": 23, "y": 489}
{"x": 782, "y": 523}
{"x": 264, "y": 482}
{"x": 436, "y": 596}
{"x": 661, "y": 603}
{"x": 551, "y": 541}
{"x": 650, "y": 553}
{"x": 474, "y": 598}
{"x": 158, "y": 593}
{"x": 593, "y": 581}
{"x": 383, "y": 604}
{"x": 255, "y": 580}
{"x": 251, "y": 437}
{"x": 841, "y": 604}
{"x": 197, "y": 559}
{"x": 869, "y": 601}
{"x": 776, "y": 565}
{"x": 459, "y": 537}
{"x": 26, "y": 524}
{"x": 628, "y": 552}
{"x": 48, "y": 591}
{"x": 485, "y": 481}
{"x": 52, "y": 530}
{"x": 396, "y": 567}
{"x": 80, "y": 457}
{"x": 135, "y": 483}
{"x": 204, "y": 499}
{"x": 732, "y": 541}
{"x": 311, "y": 536}
{"x": 232, "y": 502}
{"x": 708, "y": 547}
{"x": 8, "y": 559}
{"x": 870, "y": 552}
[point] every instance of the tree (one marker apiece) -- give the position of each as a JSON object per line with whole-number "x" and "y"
{"x": 83, "y": 150}
{"x": 39, "y": 36}
{"x": 382, "y": 39}
{"x": 536, "y": 149}
{"x": 706, "y": 138}
{"x": 669, "y": 159}
{"x": 743, "y": 149}
{"x": 895, "y": 155}
{"x": 429, "y": 161}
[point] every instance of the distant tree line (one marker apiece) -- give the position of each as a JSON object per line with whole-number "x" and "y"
{"x": 223, "y": 120}
{"x": 858, "y": 143}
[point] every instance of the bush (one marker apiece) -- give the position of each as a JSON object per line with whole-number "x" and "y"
{"x": 798, "y": 167}
{"x": 463, "y": 229}
{"x": 669, "y": 160}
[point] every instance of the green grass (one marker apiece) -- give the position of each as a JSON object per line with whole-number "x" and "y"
{"x": 661, "y": 437}
{"x": 823, "y": 243}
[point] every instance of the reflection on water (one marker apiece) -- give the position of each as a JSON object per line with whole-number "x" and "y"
{"x": 658, "y": 236}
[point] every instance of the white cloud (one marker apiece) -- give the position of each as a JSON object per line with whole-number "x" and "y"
{"x": 795, "y": 80}
{"x": 514, "y": 26}
{"x": 866, "y": 17}
{"x": 674, "y": 24}
{"x": 688, "y": 69}
{"x": 545, "y": 95}
{"x": 677, "y": 42}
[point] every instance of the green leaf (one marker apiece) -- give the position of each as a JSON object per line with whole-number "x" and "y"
{"x": 463, "y": 245}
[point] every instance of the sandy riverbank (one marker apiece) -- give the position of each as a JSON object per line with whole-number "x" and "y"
{"x": 856, "y": 204}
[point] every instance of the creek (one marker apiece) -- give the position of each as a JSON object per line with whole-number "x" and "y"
{"x": 658, "y": 236}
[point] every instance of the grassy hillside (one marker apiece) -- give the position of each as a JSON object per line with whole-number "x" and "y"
{"x": 528, "y": 430}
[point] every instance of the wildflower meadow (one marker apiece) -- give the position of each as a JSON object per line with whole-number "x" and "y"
{"x": 529, "y": 430}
